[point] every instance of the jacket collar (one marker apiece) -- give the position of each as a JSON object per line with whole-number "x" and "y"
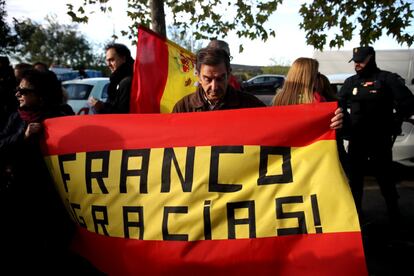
{"x": 231, "y": 98}
{"x": 121, "y": 72}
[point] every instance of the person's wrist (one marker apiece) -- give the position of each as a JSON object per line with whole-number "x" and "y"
{"x": 98, "y": 105}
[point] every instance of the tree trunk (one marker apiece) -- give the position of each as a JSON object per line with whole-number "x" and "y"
{"x": 158, "y": 17}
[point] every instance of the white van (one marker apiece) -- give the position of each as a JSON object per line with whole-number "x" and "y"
{"x": 396, "y": 61}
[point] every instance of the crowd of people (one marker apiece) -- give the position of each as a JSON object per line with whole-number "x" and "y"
{"x": 31, "y": 93}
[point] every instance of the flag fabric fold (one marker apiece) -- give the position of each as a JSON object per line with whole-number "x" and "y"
{"x": 163, "y": 74}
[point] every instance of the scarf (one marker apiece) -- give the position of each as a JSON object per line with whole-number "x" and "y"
{"x": 31, "y": 116}
{"x": 124, "y": 70}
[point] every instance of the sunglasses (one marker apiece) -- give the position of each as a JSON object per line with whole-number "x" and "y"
{"x": 23, "y": 91}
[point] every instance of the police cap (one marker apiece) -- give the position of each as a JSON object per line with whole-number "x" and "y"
{"x": 361, "y": 53}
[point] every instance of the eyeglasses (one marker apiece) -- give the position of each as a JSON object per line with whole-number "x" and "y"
{"x": 23, "y": 91}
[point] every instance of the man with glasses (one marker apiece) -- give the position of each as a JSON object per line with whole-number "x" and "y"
{"x": 214, "y": 92}
{"x": 372, "y": 96}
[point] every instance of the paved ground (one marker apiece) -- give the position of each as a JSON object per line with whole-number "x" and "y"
{"x": 389, "y": 247}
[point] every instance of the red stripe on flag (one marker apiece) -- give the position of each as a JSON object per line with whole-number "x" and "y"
{"x": 150, "y": 72}
{"x": 311, "y": 254}
{"x": 292, "y": 126}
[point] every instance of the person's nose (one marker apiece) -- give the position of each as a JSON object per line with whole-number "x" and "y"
{"x": 214, "y": 85}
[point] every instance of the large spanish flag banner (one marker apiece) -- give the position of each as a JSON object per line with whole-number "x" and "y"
{"x": 255, "y": 191}
{"x": 164, "y": 72}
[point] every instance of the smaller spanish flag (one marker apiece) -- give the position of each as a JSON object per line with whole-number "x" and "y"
{"x": 163, "y": 74}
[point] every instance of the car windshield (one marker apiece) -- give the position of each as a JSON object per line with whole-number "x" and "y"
{"x": 78, "y": 91}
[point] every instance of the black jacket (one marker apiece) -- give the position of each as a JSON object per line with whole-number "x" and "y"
{"x": 372, "y": 98}
{"x": 37, "y": 228}
{"x": 8, "y": 101}
{"x": 119, "y": 90}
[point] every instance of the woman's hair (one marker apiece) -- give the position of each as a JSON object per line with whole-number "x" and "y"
{"x": 324, "y": 88}
{"x": 299, "y": 84}
{"x": 46, "y": 86}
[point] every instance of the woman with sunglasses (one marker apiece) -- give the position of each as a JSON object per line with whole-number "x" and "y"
{"x": 35, "y": 227}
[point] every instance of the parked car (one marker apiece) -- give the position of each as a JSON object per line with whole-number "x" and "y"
{"x": 263, "y": 83}
{"x": 264, "y": 86}
{"x": 403, "y": 149}
{"x": 79, "y": 90}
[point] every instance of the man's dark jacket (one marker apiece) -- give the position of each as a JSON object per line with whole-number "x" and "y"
{"x": 233, "y": 99}
{"x": 119, "y": 90}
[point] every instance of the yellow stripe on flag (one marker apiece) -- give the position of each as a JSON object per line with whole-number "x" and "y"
{"x": 181, "y": 76}
{"x": 313, "y": 192}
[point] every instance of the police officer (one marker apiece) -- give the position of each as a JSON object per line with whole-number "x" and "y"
{"x": 372, "y": 96}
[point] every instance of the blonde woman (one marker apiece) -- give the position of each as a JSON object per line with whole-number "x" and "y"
{"x": 304, "y": 84}
{"x": 300, "y": 83}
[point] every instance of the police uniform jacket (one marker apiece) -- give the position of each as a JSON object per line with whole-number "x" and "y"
{"x": 372, "y": 100}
